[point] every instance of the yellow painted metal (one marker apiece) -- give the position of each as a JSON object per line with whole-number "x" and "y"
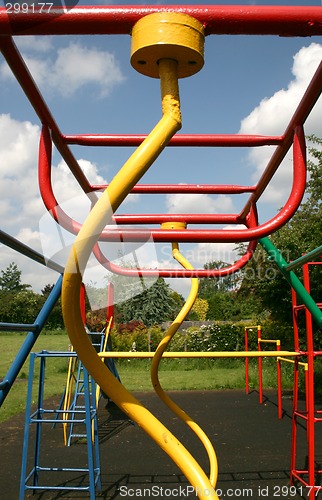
{"x": 213, "y": 354}
{"x": 99, "y": 217}
{"x": 106, "y": 335}
{"x": 72, "y": 361}
{"x": 173, "y": 225}
{"x": 269, "y": 341}
{"x": 213, "y": 475}
{"x": 167, "y": 35}
{"x": 300, "y": 363}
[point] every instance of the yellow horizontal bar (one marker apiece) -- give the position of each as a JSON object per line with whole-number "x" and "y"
{"x": 306, "y": 366}
{"x": 225, "y": 354}
{"x": 277, "y": 342}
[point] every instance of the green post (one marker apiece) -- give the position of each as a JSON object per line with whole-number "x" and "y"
{"x": 292, "y": 279}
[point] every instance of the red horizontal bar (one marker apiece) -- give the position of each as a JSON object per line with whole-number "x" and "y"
{"x": 217, "y": 19}
{"x": 187, "y": 218}
{"x": 185, "y": 188}
{"x": 184, "y": 140}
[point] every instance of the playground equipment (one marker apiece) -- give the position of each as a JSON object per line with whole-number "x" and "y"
{"x": 35, "y": 479}
{"x": 170, "y": 53}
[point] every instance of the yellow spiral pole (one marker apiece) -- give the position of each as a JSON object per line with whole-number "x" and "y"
{"x": 158, "y": 356}
{"x": 99, "y": 217}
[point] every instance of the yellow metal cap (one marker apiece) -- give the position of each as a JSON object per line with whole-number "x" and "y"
{"x": 173, "y": 225}
{"x": 167, "y": 35}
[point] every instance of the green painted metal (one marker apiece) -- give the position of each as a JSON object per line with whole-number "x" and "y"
{"x": 304, "y": 258}
{"x": 292, "y": 279}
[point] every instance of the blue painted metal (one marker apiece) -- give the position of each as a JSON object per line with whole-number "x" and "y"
{"x": 29, "y": 252}
{"x": 18, "y": 327}
{"x": 87, "y": 416}
{"x": 30, "y": 340}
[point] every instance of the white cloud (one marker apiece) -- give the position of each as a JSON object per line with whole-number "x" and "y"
{"x": 18, "y": 146}
{"x": 76, "y": 66}
{"x": 198, "y": 203}
{"x": 21, "y": 207}
{"x": 70, "y": 68}
{"x": 272, "y": 115}
{"x": 37, "y": 44}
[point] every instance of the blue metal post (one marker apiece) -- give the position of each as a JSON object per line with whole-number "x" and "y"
{"x": 29, "y": 342}
{"x": 23, "y": 477}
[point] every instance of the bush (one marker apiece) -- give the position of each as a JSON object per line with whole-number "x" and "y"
{"x": 215, "y": 336}
{"x": 136, "y": 339}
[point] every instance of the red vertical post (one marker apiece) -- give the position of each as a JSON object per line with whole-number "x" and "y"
{"x": 310, "y": 399}
{"x": 294, "y": 419}
{"x": 110, "y": 303}
{"x": 82, "y": 299}
{"x": 279, "y": 383}
{"x": 295, "y": 322}
{"x": 260, "y": 364}
{"x": 246, "y": 360}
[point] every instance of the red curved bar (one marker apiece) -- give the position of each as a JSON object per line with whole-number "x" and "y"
{"x": 44, "y": 175}
{"x": 217, "y": 19}
{"x": 176, "y": 273}
{"x": 189, "y": 235}
{"x": 52, "y": 205}
{"x": 234, "y": 235}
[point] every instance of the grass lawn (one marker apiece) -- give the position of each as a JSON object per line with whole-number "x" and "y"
{"x": 174, "y": 374}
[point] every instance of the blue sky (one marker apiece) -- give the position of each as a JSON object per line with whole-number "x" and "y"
{"x": 248, "y": 85}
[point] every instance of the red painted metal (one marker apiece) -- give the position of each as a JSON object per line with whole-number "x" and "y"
{"x": 217, "y": 19}
{"x": 260, "y": 366}
{"x": 310, "y": 393}
{"x": 110, "y": 304}
{"x": 179, "y": 140}
{"x": 303, "y": 110}
{"x": 309, "y": 415}
{"x": 27, "y": 83}
{"x": 143, "y": 219}
{"x": 176, "y": 273}
{"x": 185, "y": 188}
{"x": 83, "y": 303}
{"x": 246, "y": 361}
{"x": 261, "y": 341}
{"x": 52, "y": 205}
{"x": 189, "y": 235}
{"x": 233, "y": 235}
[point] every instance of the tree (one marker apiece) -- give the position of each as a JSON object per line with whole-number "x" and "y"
{"x": 200, "y": 307}
{"x": 10, "y": 279}
{"x": 153, "y": 306}
{"x": 47, "y": 290}
{"x": 19, "y": 304}
{"x": 208, "y": 286}
{"x": 299, "y": 236}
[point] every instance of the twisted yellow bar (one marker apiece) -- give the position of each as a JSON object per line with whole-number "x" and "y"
{"x": 98, "y": 218}
{"x": 155, "y": 367}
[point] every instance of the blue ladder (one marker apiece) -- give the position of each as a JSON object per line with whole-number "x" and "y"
{"x": 83, "y": 388}
{"x": 41, "y": 416}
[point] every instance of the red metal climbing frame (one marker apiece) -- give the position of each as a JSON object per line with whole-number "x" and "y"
{"x": 217, "y": 19}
